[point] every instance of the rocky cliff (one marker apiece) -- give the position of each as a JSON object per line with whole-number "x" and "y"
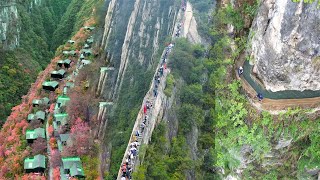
{"x": 132, "y": 38}
{"x": 285, "y": 45}
{"x": 9, "y": 28}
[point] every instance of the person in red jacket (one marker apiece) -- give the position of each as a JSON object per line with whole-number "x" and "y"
{"x": 145, "y": 109}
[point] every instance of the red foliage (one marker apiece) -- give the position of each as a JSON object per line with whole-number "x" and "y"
{"x": 39, "y": 146}
{"x": 32, "y": 176}
{"x": 81, "y": 139}
{"x": 80, "y": 134}
{"x": 12, "y": 150}
{"x": 56, "y": 173}
{"x": 51, "y": 109}
{"x": 55, "y": 160}
{"x": 78, "y": 106}
{"x": 50, "y": 130}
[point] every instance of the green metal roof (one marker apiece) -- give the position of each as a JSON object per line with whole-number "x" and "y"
{"x": 69, "y": 161}
{"x": 86, "y": 51}
{"x": 41, "y": 115}
{"x": 36, "y": 101}
{"x": 86, "y": 46}
{"x": 60, "y": 62}
{"x": 31, "y": 117}
{"x": 67, "y": 61}
{"x": 86, "y": 62}
{"x": 34, "y": 134}
{"x": 38, "y": 115}
{"x": 62, "y": 118}
{"x": 89, "y": 27}
{"x": 63, "y": 100}
{"x": 64, "y": 137}
{"x": 76, "y": 170}
{"x": 90, "y": 40}
{"x": 61, "y": 72}
{"x": 45, "y": 100}
{"x": 38, "y": 161}
{"x": 53, "y": 84}
{"x": 42, "y": 101}
{"x": 69, "y": 52}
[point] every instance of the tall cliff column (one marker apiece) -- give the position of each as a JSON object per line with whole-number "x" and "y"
{"x": 285, "y": 45}
{"x": 9, "y": 24}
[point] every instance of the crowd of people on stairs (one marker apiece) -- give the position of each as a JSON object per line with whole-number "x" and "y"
{"x": 132, "y": 153}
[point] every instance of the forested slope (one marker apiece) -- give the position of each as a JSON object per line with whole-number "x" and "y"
{"x": 39, "y": 28}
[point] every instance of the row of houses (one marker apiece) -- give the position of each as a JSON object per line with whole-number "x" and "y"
{"x": 71, "y": 166}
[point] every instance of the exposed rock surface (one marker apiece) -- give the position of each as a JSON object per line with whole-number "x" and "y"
{"x": 9, "y": 26}
{"x": 285, "y": 45}
{"x": 190, "y": 26}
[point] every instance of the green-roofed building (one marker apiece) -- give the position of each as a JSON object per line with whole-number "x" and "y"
{"x": 50, "y": 85}
{"x": 69, "y": 53}
{"x": 71, "y": 41}
{"x": 81, "y": 56}
{"x": 60, "y": 63}
{"x": 62, "y": 101}
{"x": 66, "y": 63}
{"x": 90, "y": 28}
{"x": 73, "y": 167}
{"x": 89, "y": 40}
{"x": 36, "y": 164}
{"x": 63, "y": 141}
{"x": 86, "y": 46}
{"x": 32, "y": 135}
{"x": 38, "y": 102}
{"x": 40, "y": 115}
{"x": 85, "y": 62}
{"x": 86, "y": 52}
{"x": 61, "y": 119}
{"x": 58, "y": 74}
{"x": 76, "y": 171}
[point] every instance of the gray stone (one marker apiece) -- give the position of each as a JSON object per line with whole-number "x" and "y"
{"x": 285, "y": 45}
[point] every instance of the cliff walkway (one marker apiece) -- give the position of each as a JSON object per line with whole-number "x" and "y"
{"x": 150, "y": 112}
{"x": 276, "y": 100}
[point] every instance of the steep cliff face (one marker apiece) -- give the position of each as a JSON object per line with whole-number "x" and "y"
{"x": 133, "y": 32}
{"x": 285, "y": 45}
{"x": 9, "y": 28}
{"x": 132, "y": 39}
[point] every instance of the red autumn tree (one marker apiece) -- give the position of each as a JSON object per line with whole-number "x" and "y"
{"x": 55, "y": 159}
{"x": 53, "y": 143}
{"x": 81, "y": 139}
{"x": 50, "y": 130}
{"x": 39, "y": 146}
{"x": 56, "y": 173}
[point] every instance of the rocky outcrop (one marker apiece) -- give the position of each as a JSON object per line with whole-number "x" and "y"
{"x": 9, "y": 27}
{"x": 190, "y": 26}
{"x": 132, "y": 33}
{"x": 285, "y": 47}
